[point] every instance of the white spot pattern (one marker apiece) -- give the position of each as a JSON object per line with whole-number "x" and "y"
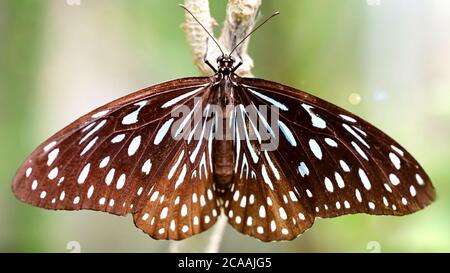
{"x": 315, "y": 148}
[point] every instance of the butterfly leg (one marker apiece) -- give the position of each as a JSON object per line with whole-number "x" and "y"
{"x": 239, "y": 64}
{"x": 205, "y": 59}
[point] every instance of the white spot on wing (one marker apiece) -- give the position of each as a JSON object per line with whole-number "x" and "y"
{"x": 186, "y": 120}
{"x": 270, "y": 100}
{"x": 90, "y": 191}
{"x": 109, "y": 177}
{"x": 84, "y": 173}
{"x": 162, "y": 131}
{"x": 185, "y": 229}
{"x": 243, "y": 202}
{"x": 338, "y": 205}
{"x": 121, "y": 181}
{"x": 133, "y": 116}
{"x": 358, "y": 195}
{"x": 89, "y": 146}
{"x": 273, "y": 226}
{"x": 203, "y": 201}
{"x": 303, "y": 169}
{"x": 419, "y": 180}
{"x": 96, "y": 128}
{"x": 184, "y": 210}
{"x": 316, "y": 120}
{"x": 412, "y": 190}
{"x": 287, "y": 133}
{"x": 34, "y": 185}
{"x": 301, "y": 216}
{"x": 100, "y": 114}
{"x": 329, "y": 184}
{"x": 52, "y": 156}
{"x": 315, "y": 148}
{"x": 134, "y": 145}
{"x": 394, "y": 179}
{"x": 181, "y": 97}
{"x": 272, "y": 166}
{"x": 104, "y": 162}
{"x": 62, "y": 196}
{"x": 251, "y": 200}
{"x": 344, "y": 166}
{"x": 181, "y": 177}
{"x": 347, "y": 118}
{"x": 154, "y": 196}
{"x": 175, "y": 166}
{"x": 404, "y": 201}
{"x": 146, "y": 167}
{"x": 266, "y": 177}
{"x": 163, "y": 214}
{"x": 387, "y": 187}
{"x": 359, "y": 150}
{"x": 118, "y": 138}
{"x": 262, "y": 212}
{"x": 364, "y": 179}
{"x": 236, "y": 195}
{"x": 145, "y": 216}
{"x": 331, "y": 142}
{"x": 395, "y": 160}
{"x": 253, "y": 154}
{"x": 49, "y": 146}
{"x": 53, "y": 173}
{"x": 292, "y": 196}
{"x": 351, "y": 131}
{"x": 346, "y": 204}
{"x": 397, "y": 150}
{"x": 283, "y": 214}
{"x": 260, "y": 230}
{"x": 28, "y": 172}
{"x": 339, "y": 180}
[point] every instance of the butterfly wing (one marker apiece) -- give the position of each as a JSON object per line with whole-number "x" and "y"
{"x": 328, "y": 163}
{"x": 120, "y": 158}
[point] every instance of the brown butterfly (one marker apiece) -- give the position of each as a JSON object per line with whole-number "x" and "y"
{"x": 176, "y": 175}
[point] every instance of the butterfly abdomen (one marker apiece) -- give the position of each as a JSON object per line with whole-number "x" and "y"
{"x": 223, "y": 161}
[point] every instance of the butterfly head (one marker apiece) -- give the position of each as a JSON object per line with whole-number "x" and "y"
{"x": 225, "y": 64}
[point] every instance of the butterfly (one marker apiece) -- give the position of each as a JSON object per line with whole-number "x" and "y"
{"x": 179, "y": 154}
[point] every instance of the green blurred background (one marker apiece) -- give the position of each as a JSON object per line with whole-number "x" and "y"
{"x": 389, "y": 63}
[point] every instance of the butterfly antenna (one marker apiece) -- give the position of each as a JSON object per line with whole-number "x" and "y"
{"x": 212, "y": 37}
{"x": 251, "y": 32}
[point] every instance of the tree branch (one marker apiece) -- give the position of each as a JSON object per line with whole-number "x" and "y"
{"x": 239, "y": 20}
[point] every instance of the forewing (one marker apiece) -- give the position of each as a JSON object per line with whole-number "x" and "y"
{"x": 330, "y": 161}
{"x": 117, "y": 157}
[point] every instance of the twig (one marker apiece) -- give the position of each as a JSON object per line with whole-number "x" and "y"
{"x": 239, "y": 20}
{"x": 215, "y": 240}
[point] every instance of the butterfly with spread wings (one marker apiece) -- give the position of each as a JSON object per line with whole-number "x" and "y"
{"x": 177, "y": 173}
